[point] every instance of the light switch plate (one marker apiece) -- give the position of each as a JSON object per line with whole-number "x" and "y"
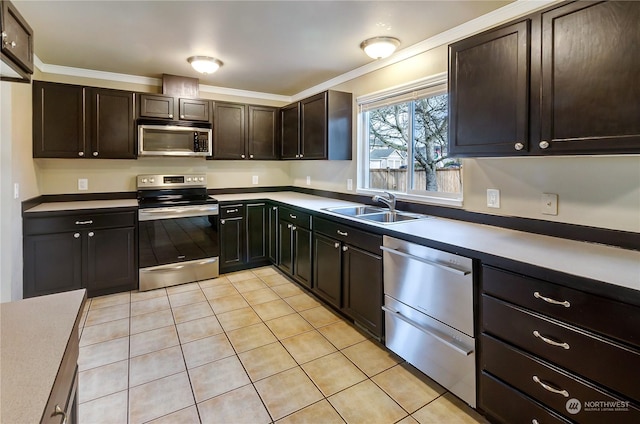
{"x": 493, "y": 198}
{"x": 254, "y": 179}
{"x": 83, "y": 184}
{"x": 549, "y": 204}
{"x": 308, "y": 180}
{"x": 16, "y": 191}
{"x": 349, "y": 184}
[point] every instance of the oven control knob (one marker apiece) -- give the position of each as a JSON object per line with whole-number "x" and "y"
{"x": 152, "y": 180}
{"x": 144, "y": 181}
{"x": 201, "y": 179}
{"x": 188, "y": 179}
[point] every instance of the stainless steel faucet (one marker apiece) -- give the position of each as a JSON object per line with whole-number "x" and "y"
{"x": 390, "y": 200}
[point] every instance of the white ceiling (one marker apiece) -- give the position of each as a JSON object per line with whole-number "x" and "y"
{"x": 277, "y": 47}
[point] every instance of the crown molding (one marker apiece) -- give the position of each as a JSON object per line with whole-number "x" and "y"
{"x": 496, "y": 17}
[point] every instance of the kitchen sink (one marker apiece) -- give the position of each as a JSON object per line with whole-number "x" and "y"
{"x": 376, "y": 214}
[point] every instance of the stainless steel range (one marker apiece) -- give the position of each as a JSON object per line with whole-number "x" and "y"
{"x": 178, "y": 230}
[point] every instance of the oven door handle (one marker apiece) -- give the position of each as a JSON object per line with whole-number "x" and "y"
{"x": 449, "y": 341}
{"x": 426, "y": 261}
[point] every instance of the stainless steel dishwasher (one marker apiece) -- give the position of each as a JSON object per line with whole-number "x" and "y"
{"x": 428, "y": 308}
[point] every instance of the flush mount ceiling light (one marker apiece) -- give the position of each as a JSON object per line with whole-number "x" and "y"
{"x": 380, "y": 47}
{"x": 204, "y": 64}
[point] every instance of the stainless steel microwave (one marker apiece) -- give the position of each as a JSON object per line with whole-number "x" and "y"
{"x": 174, "y": 140}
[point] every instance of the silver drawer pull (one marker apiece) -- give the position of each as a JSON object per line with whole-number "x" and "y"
{"x": 294, "y": 228}
{"x": 345, "y": 248}
{"x": 534, "y": 421}
{"x": 549, "y": 388}
{"x": 289, "y": 225}
{"x": 549, "y": 341}
{"x": 275, "y": 208}
{"x": 564, "y": 303}
{"x": 293, "y": 216}
{"x": 232, "y": 210}
{"x": 343, "y": 233}
{"x": 76, "y": 235}
{"x": 336, "y": 245}
{"x": 449, "y": 341}
{"x": 91, "y": 234}
{"x": 84, "y": 222}
{"x": 59, "y": 411}
{"x": 426, "y": 261}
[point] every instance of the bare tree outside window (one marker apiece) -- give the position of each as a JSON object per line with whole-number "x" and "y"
{"x": 408, "y": 147}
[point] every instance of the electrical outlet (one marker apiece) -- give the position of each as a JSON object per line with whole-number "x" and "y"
{"x": 254, "y": 179}
{"x": 308, "y": 180}
{"x": 349, "y": 184}
{"x": 493, "y": 198}
{"x": 83, "y": 184}
{"x": 549, "y": 204}
{"x": 16, "y": 191}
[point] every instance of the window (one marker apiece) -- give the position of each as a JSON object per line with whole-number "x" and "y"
{"x": 403, "y": 144}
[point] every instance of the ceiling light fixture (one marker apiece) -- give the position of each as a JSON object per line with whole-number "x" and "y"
{"x": 204, "y": 64}
{"x": 380, "y": 47}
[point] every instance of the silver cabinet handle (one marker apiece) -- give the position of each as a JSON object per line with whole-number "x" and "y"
{"x": 80, "y": 153}
{"x": 76, "y": 235}
{"x": 232, "y": 210}
{"x": 564, "y": 303}
{"x": 549, "y": 388}
{"x": 294, "y": 228}
{"x": 345, "y": 248}
{"x": 426, "y": 261}
{"x": 59, "y": 411}
{"x": 342, "y": 233}
{"x": 289, "y": 225}
{"x": 293, "y": 216}
{"x": 242, "y": 156}
{"x": 181, "y": 116}
{"x": 336, "y": 245}
{"x": 275, "y": 208}
{"x": 301, "y": 155}
{"x": 534, "y": 421}
{"x": 551, "y": 342}
{"x": 95, "y": 153}
{"x": 544, "y": 144}
{"x": 444, "y": 338}
{"x": 250, "y": 156}
{"x": 84, "y": 222}
{"x": 222, "y": 221}
{"x": 91, "y": 234}
{"x": 297, "y": 156}
{"x": 519, "y": 146}
{"x": 171, "y": 116}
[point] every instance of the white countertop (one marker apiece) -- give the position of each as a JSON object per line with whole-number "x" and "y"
{"x": 83, "y": 204}
{"x": 609, "y": 264}
{"x": 35, "y": 333}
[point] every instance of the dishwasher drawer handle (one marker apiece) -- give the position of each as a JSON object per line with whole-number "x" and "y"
{"x": 564, "y": 303}
{"x": 452, "y": 343}
{"x": 549, "y": 388}
{"x": 551, "y": 342}
{"x": 426, "y": 261}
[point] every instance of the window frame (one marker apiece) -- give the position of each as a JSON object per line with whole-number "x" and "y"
{"x": 432, "y": 85}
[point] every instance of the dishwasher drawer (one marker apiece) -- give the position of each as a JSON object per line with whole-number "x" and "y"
{"x": 436, "y": 283}
{"x": 441, "y": 352}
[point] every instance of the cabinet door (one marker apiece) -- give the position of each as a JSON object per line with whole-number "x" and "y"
{"x": 17, "y": 38}
{"x": 590, "y": 77}
{"x": 155, "y": 106}
{"x": 489, "y": 92}
{"x": 256, "y": 232}
{"x": 194, "y": 109}
{"x": 111, "y": 261}
{"x": 231, "y": 242}
{"x": 229, "y": 133}
{"x": 52, "y": 263}
{"x": 58, "y": 120}
{"x": 273, "y": 240}
{"x": 285, "y": 257}
{"x": 327, "y": 269}
{"x": 110, "y": 124}
{"x": 362, "y": 280}
{"x": 302, "y": 255}
{"x": 313, "y": 127}
{"x": 263, "y": 132}
{"x": 290, "y": 132}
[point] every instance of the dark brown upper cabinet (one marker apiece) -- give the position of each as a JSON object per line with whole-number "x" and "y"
{"x": 71, "y": 121}
{"x": 16, "y": 45}
{"x": 243, "y": 131}
{"x": 489, "y": 92}
{"x": 323, "y": 128}
{"x": 560, "y": 81}
{"x": 164, "y": 107}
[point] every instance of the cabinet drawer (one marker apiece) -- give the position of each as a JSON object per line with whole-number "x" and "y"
{"x": 232, "y": 211}
{"x": 530, "y": 375}
{"x": 585, "y": 354}
{"x": 510, "y": 406}
{"x": 298, "y": 218}
{"x": 78, "y": 221}
{"x": 363, "y": 240}
{"x": 609, "y": 317}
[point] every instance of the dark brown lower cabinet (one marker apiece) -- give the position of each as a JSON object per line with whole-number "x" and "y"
{"x": 295, "y": 251}
{"x": 244, "y": 236}
{"x": 257, "y": 244}
{"x": 362, "y": 284}
{"x": 328, "y": 269}
{"x": 272, "y": 236}
{"x": 232, "y": 243}
{"x": 92, "y": 250}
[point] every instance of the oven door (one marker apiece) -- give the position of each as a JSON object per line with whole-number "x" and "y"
{"x": 177, "y": 245}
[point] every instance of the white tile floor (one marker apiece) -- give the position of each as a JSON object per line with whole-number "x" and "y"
{"x": 248, "y": 347}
